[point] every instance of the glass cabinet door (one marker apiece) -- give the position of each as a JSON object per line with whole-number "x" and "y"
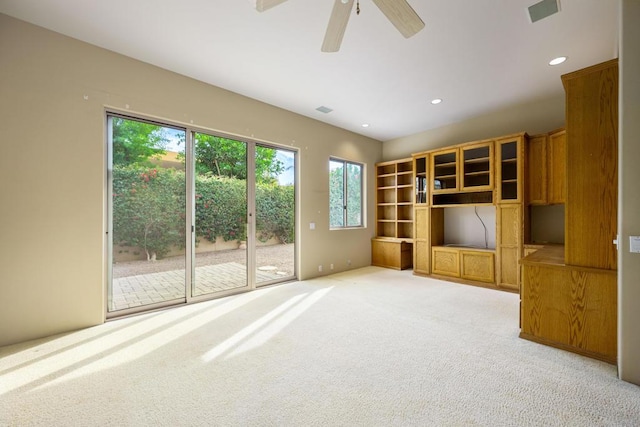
{"x": 477, "y": 167}
{"x": 444, "y": 166}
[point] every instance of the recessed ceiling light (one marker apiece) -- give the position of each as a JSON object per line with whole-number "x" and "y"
{"x": 436, "y": 101}
{"x": 558, "y": 60}
{"x": 365, "y": 125}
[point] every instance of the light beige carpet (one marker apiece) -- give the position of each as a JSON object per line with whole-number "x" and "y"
{"x": 371, "y": 347}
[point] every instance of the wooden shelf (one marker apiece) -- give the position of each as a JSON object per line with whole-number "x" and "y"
{"x": 392, "y": 246}
{"x": 478, "y": 160}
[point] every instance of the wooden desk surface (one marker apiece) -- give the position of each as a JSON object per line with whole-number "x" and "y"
{"x": 550, "y": 255}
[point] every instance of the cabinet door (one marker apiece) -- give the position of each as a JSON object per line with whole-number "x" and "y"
{"x": 557, "y": 167}
{"x": 421, "y": 257}
{"x": 509, "y": 245}
{"x": 420, "y": 177}
{"x": 446, "y": 261}
{"x": 591, "y": 211}
{"x": 444, "y": 171}
{"x": 477, "y": 167}
{"x": 421, "y": 250}
{"x": 537, "y": 173}
{"x": 510, "y": 169}
{"x": 476, "y": 265}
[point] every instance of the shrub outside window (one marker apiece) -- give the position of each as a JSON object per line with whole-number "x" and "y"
{"x": 345, "y": 194}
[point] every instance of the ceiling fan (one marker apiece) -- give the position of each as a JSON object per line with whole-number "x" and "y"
{"x": 399, "y": 12}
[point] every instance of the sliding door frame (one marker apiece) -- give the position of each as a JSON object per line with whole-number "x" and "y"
{"x": 190, "y": 235}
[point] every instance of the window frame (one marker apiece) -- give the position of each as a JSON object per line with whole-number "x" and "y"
{"x": 345, "y": 194}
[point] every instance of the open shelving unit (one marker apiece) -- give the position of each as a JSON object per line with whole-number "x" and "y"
{"x": 395, "y": 187}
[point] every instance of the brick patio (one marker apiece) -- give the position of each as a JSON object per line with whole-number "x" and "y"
{"x": 144, "y": 289}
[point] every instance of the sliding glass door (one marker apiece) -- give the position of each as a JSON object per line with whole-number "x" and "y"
{"x": 193, "y": 215}
{"x": 147, "y": 210}
{"x": 220, "y": 225}
{"x": 275, "y": 215}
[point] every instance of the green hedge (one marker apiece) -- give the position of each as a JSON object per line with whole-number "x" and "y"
{"x": 149, "y": 209}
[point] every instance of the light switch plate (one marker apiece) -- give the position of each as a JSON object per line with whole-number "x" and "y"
{"x": 312, "y": 225}
{"x": 634, "y": 244}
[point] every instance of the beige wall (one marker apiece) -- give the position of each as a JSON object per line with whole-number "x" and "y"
{"x": 53, "y": 93}
{"x": 629, "y": 191}
{"x": 539, "y": 116}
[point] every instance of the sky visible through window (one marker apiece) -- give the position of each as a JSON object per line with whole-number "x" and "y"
{"x": 175, "y": 143}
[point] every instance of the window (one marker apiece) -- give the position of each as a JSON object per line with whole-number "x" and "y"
{"x": 345, "y": 194}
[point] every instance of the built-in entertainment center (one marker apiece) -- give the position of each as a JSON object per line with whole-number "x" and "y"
{"x": 468, "y": 220}
{"x": 533, "y": 214}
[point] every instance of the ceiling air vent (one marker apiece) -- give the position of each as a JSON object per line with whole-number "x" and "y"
{"x": 324, "y": 109}
{"x": 543, "y": 9}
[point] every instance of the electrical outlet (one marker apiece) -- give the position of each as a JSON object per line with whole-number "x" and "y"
{"x": 320, "y": 268}
{"x": 331, "y": 266}
{"x": 348, "y": 262}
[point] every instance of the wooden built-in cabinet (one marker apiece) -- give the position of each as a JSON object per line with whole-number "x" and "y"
{"x": 464, "y": 263}
{"x": 394, "y": 202}
{"x": 395, "y": 186}
{"x": 546, "y": 156}
{"x": 465, "y": 168}
{"x": 396, "y": 254}
{"x": 463, "y": 174}
{"x": 592, "y": 166}
{"x": 570, "y": 307}
{"x": 511, "y": 217}
{"x": 569, "y": 293}
{"x": 467, "y": 175}
{"x": 421, "y": 243}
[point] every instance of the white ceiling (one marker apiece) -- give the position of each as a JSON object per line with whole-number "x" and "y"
{"x": 477, "y": 55}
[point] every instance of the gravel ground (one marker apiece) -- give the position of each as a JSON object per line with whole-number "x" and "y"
{"x": 280, "y": 256}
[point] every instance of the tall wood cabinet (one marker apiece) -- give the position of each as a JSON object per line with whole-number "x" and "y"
{"x": 592, "y": 151}
{"x": 422, "y": 214}
{"x": 511, "y": 217}
{"x": 569, "y": 294}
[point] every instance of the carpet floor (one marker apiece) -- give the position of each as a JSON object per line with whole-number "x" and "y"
{"x": 369, "y": 347}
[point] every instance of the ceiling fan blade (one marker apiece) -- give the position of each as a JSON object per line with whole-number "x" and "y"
{"x": 262, "y": 5}
{"x": 401, "y": 15}
{"x": 337, "y": 24}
